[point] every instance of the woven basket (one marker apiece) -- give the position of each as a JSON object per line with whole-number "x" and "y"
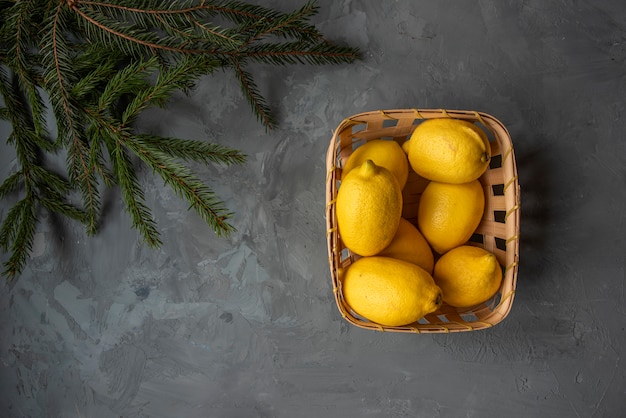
{"x": 498, "y": 231}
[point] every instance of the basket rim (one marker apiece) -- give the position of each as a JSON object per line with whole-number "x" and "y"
{"x": 512, "y": 217}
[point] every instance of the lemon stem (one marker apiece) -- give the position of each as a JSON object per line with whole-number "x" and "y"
{"x": 485, "y": 157}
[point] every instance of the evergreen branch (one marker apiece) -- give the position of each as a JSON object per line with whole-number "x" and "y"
{"x": 56, "y": 203}
{"x": 96, "y": 157}
{"x": 18, "y": 227}
{"x": 129, "y": 80}
{"x": 11, "y": 183}
{"x": 289, "y": 25}
{"x": 51, "y": 192}
{"x": 71, "y": 128}
{"x": 79, "y": 160}
{"x": 297, "y": 53}
{"x": 18, "y": 233}
{"x": 37, "y": 109}
{"x": 243, "y": 13}
{"x": 130, "y": 40}
{"x": 23, "y": 135}
{"x": 177, "y": 21}
{"x": 252, "y": 95}
{"x": 89, "y": 56}
{"x": 189, "y": 150}
{"x": 48, "y": 180}
{"x": 152, "y": 11}
{"x": 133, "y": 195}
{"x": 10, "y": 225}
{"x": 217, "y": 34}
{"x": 98, "y": 76}
{"x": 100, "y": 64}
{"x": 186, "y": 185}
{"x": 181, "y": 76}
{"x": 19, "y": 62}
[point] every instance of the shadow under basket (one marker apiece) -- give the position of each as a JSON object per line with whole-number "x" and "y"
{"x": 498, "y": 231}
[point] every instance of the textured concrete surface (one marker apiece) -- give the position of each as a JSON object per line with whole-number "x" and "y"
{"x": 247, "y": 327}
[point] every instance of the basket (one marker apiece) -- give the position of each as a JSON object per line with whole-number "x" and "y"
{"x": 498, "y": 231}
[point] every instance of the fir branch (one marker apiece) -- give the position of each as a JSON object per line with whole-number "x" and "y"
{"x": 133, "y": 194}
{"x": 17, "y": 229}
{"x": 253, "y": 96}
{"x": 17, "y": 234}
{"x": 290, "y": 25}
{"x": 244, "y": 14}
{"x": 184, "y": 19}
{"x": 11, "y": 183}
{"x": 131, "y": 79}
{"x": 98, "y": 75}
{"x": 190, "y": 150}
{"x": 297, "y": 53}
{"x": 10, "y": 225}
{"x": 22, "y": 62}
{"x": 179, "y": 77}
{"x": 97, "y": 162}
{"x": 129, "y": 38}
{"x": 98, "y": 65}
{"x": 186, "y": 184}
{"x": 68, "y": 115}
{"x": 156, "y": 10}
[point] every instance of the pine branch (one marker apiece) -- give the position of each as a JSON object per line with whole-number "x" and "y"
{"x": 98, "y": 65}
{"x": 179, "y": 77}
{"x": 18, "y": 228}
{"x": 131, "y": 79}
{"x": 97, "y": 161}
{"x": 22, "y": 62}
{"x": 201, "y": 198}
{"x": 10, "y": 184}
{"x": 189, "y": 150}
{"x": 17, "y": 234}
{"x": 297, "y": 53}
{"x": 185, "y": 184}
{"x": 133, "y": 195}
{"x": 130, "y": 38}
{"x": 290, "y": 25}
{"x": 253, "y": 96}
{"x": 59, "y": 77}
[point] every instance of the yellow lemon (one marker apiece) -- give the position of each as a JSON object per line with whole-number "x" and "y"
{"x": 384, "y": 153}
{"x": 369, "y": 207}
{"x": 406, "y": 145}
{"x": 448, "y": 214}
{"x": 410, "y": 245}
{"x": 390, "y": 292}
{"x": 449, "y": 150}
{"x": 467, "y": 276}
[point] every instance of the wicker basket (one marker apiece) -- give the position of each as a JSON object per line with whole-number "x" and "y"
{"x": 498, "y": 231}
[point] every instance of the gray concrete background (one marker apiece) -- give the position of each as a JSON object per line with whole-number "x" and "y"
{"x": 247, "y": 326}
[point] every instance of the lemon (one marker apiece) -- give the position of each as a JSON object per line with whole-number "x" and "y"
{"x": 369, "y": 207}
{"x": 467, "y": 276}
{"x": 390, "y": 292}
{"x": 410, "y": 245}
{"x": 384, "y": 153}
{"x": 448, "y": 214}
{"x": 449, "y": 150}
{"x": 406, "y": 145}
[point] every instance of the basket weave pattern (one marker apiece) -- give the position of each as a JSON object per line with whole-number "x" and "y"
{"x": 498, "y": 231}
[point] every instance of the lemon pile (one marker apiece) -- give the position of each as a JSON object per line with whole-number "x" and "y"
{"x": 407, "y": 271}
